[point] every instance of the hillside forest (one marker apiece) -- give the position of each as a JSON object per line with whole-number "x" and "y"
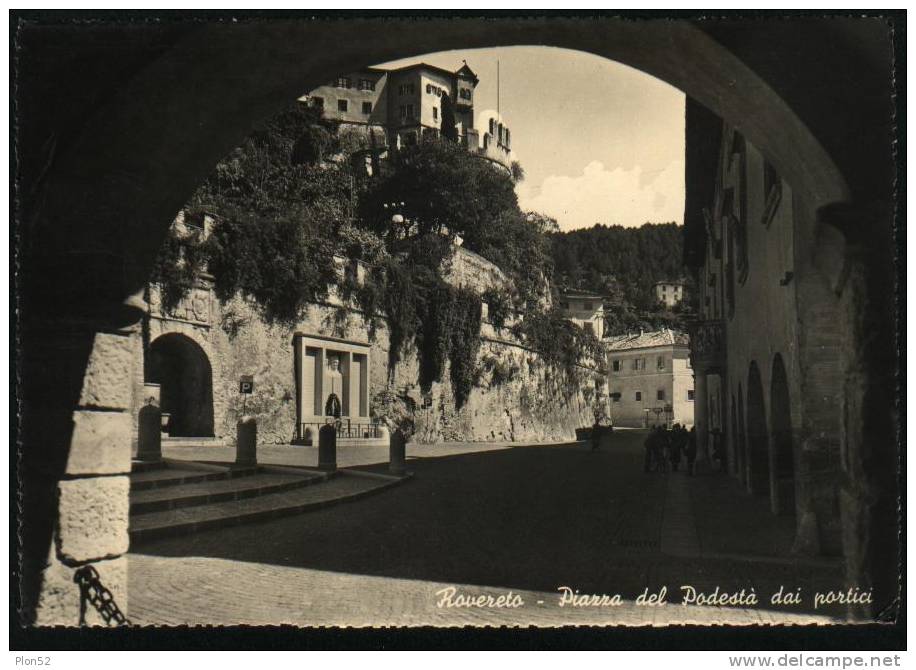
{"x": 623, "y": 264}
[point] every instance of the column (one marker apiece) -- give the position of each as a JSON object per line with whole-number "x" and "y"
{"x": 346, "y": 371}
{"x": 77, "y": 368}
{"x": 701, "y": 414}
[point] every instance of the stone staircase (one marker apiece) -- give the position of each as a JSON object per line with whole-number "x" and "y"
{"x": 174, "y": 497}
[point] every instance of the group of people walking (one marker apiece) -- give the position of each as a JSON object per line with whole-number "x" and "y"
{"x": 664, "y": 448}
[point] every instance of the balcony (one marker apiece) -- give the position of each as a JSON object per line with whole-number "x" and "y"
{"x": 707, "y": 343}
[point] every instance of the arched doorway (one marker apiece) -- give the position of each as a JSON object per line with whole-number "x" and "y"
{"x": 781, "y": 435}
{"x": 181, "y": 368}
{"x": 758, "y": 443}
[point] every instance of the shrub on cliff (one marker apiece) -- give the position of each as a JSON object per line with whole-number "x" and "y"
{"x": 282, "y": 262}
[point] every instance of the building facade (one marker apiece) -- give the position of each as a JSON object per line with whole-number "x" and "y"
{"x": 768, "y": 369}
{"x": 584, "y": 309}
{"x": 650, "y": 379}
{"x": 405, "y": 104}
{"x": 670, "y": 293}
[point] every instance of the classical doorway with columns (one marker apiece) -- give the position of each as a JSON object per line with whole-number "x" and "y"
{"x": 332, "y": 386}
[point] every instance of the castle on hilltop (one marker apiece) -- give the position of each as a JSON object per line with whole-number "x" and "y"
{"x": 406, "y": 104}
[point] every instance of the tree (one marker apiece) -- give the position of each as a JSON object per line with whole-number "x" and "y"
{"x": 282, "y": 262}
{"x": 448, "y": 125}
{"x": 624, "y": 263}
{"x": 440, "y": 184}
{"x": 283, "y": 204}
{"x": 517, "y": 171}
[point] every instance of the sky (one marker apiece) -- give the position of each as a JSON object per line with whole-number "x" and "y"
{"x": 599, "y": 141}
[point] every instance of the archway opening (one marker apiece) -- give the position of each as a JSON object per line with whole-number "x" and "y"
{"x": 182, "y": 369}
{"x": 781, "y": 435}
{"x": 758, "y": 443}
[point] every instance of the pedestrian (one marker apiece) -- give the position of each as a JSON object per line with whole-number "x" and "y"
{"x": 596, "y": 434}
{"x": 667, "y": 446}
{"x": 691, "y": 450}
{"x": 674, "y": 440}
{"x": 649, "y": 446}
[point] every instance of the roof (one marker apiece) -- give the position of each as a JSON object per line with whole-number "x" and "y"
{"x": 463, "y": 72}
{"x": 576, "y": 293}
{"x": 656, "y": 338}
{"x": 466, "y": 72}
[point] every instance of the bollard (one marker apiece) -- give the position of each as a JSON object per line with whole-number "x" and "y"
{"x": 397, "y": 453}
{"x": 246, "y": 448}
{"x": 149, "y": 435}
{"x": 327, "y": 448}
{"x": 149, "y": 426}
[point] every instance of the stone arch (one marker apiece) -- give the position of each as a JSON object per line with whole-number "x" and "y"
{"x": 102, "y": 194}
{"x": 757, "y": 442}
{"x": 182, "y": 369}
{"x": 782, "y": 441}
{"x": 242, "y": 77}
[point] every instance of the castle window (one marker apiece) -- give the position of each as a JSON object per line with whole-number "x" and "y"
{"x": 660, "y": 363}
{"x": 429, "y": 88}
{"x": 343, "y": 82}
{"x": 435, "y": 112}
{"x": 342, "y": 105}
{"x": 637, "y": 396}
{"x": 660, "y": 394}
{"x": 492, "y": 126}
{"x": 615, "y": 365}
{"x": 367, "y": 108}
{"x": 615, "y": 396}
{"x": 464, "y": 93}
{"x": 690, "y": 395}
{"x": 366, "y": 85}
{"x": 318, "y": 102}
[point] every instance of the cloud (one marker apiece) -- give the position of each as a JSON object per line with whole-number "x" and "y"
{"x": 598, "y": 195}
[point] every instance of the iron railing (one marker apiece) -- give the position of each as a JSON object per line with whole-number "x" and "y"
{"x": 346, "y": 428}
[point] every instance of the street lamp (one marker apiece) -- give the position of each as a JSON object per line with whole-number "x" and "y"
{"x": 397, "y": 219}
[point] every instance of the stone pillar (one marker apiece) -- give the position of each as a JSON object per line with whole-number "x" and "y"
{"x": 327, "y": 448}
{"x": 246, "y": 449}
{"x": 149, "y": 425}
{"x": 397, "y": 453}
{"x": 76, "y": 370}
{"x": 701, "y": 415}
{"x": 870, "y": 453}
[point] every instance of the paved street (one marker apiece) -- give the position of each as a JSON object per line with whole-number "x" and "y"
{"x": 347, "y": 456}
{"x": 527, "y": 519}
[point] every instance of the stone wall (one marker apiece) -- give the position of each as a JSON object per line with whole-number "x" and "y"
{"x": 528, "y": 404}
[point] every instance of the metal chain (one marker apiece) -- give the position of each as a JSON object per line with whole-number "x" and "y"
{"x": 95, "y": 593}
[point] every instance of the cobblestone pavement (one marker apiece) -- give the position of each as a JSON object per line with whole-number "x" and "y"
{"x": 234, "y": 592}
{"x": 347, "y": 456}
{"x": 528, "y": 519}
